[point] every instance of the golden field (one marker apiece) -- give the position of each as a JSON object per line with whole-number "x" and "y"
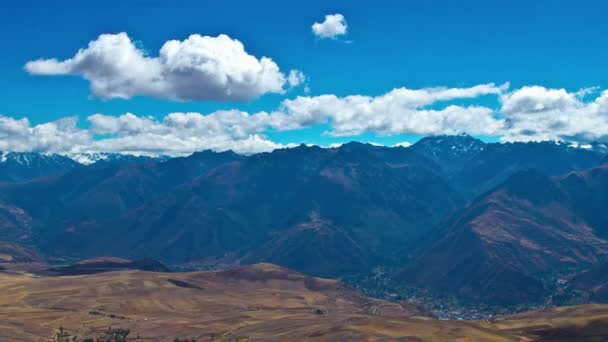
{"x": 263, "y": 302}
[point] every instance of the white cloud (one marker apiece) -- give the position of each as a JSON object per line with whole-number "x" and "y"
{"x": 403, "y": 144}
{"x": 197, "y": 68}
{"x": 399, "y": 111}
{"x": 61, "y": 135}
{"x": 333, "y": 26}
{"x": 295, "y": 78}
{"x": 176, "y": 134}
{"x": 528, "y": 113}
{"x": 534, "y": 99}
{"x": 396, "y": 112}
{"x": 183, "y": 133}
{"x": 537, "y": 113}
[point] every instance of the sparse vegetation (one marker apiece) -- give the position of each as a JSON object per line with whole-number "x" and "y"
{"x": 110, "y": 335}
{"x": 114, "y": 335}
{"x": 238, "y": 303}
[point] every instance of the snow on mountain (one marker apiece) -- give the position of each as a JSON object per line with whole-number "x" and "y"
{"x": 28, "y": 158}
{"x": 90, "y": 158}
{"x": 19, "y": 166}
{"x": 95, "y": 157}
{"x": 449, "y": 148}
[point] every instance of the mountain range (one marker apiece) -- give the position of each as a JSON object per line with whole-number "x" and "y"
{"x": 490, "y": 222}
{"x": 23, "y": 166}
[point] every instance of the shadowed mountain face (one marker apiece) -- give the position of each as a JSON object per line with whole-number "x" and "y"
{"x": 474, "y": 167}
{"x": 98, "y": 193}
{"x": 334, "y": 211}
{"x": 498, "y": 161}
{"x": 451, "y": 152}
{"x": 106, "y": 264}
{"x": 367, "y": 201}
{"x": 592, "y": 283}
{"x": 15, "y": 223}
{"x": 335, "y": 250}
{"x": 501, "y": 245}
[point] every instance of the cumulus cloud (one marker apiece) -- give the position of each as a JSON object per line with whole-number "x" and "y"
{"x": 536, "y": 99}
{"x": 61, "y": 135}
{"x": 528, "y": 113}
{"x": 333, "y": 26}
{"x": 295, "y": 78}
{"x": 399, "y": 111}
{"x": 175, "y": 134}
{"x": 183, "y": 133}
{"x": 396, "y": 112}
{"x": 536, "y": 113}
{"x": 197, "y": 68}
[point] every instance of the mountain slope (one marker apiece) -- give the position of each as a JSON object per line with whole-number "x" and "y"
{"x": 496, "y": 162}
{"x": 103, "y": 157}
{"x": 101, "y": 192}
{"x": 262, "y": 302}
{"x": 21, "y": 166}
{"x": 350, "y": 207}
{"x": 591, "y": 283}
{"x": 18, "y": 258}
{"x": 451, "y": 152}
{"x": 316, "y": 240}
{"x": 500, "y": 246}
{"x": 15, "y": 224}
{"x": 371, "y": 198}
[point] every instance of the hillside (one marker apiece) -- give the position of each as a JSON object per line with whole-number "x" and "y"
{"x": 474, "y": 167}
{"x": 374, "y": 198}
{"x": 262, "y": 302}
{"x": 466, "y": 211}
{"x": 17, "y": 258}
{"x": 98, "y": 193}
{"x": 105, "y": 264}
{"x": 590, "y": 285}
{"x": 500, "y": 248}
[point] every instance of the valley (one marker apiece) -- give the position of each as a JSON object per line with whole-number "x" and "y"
{"x": 452, "y": 230}
{"x": 242, "y": 171}
{"x": 262, "y": 302}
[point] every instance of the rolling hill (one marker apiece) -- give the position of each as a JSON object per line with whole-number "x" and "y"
{"x": 262, "y": 302}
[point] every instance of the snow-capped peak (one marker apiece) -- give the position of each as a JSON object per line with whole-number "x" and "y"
{"x": 26, "y": 158}
{"x": 88, "y": 158}
{"x": 95, "y": 157}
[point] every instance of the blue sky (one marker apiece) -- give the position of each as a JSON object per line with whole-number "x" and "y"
{"x": 388, "y": 45}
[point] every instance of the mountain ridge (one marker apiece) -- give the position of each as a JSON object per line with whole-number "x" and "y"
{"x": 530, "y": 225}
